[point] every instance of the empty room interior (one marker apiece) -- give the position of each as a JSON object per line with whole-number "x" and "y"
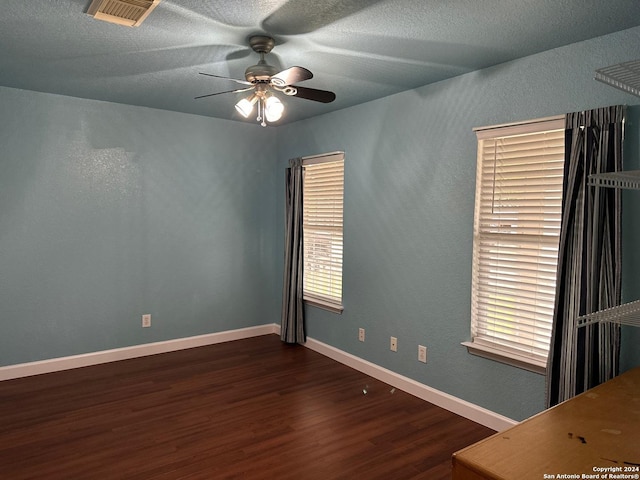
{"x": 167, "y": 311}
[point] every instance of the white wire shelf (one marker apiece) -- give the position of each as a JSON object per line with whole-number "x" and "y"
{"x": 629, "y": 179}
{"x": 625, "y": 314}
{"x": 623, "y": 76}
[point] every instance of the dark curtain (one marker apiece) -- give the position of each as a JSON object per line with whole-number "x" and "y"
{"x": 589, "y": 260}
{"x": 292, "y": 323}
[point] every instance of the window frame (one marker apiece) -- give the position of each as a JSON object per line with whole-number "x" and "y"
{"x": 478, "y": 345}
{"x": 326, "y": 302}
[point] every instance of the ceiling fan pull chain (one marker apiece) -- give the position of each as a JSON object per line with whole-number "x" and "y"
{"x": 261, "y": 113}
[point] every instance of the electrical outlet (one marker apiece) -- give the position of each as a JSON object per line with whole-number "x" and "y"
{"x": 422, "y": 353}
{"x": 393, "y": 345}
{"x": 361, "y": 334}
{"x": 146, "y": 320}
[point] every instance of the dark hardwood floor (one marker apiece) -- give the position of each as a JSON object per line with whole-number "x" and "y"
{"x": 252, "y": 409}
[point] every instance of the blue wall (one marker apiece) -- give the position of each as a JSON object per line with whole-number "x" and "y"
{"x": 409, "y": 201}
{"x": 108, "y": 212}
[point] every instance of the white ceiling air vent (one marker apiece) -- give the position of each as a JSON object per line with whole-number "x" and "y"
{"x": 123, "y": 12}
{"x": 625, "y": 76}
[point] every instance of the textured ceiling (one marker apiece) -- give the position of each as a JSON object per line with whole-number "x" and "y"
{"x": 361, "y": 50}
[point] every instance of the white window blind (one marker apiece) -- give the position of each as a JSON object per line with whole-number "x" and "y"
{"x": 516, "y": 235}
{"x": 323, "y": 197}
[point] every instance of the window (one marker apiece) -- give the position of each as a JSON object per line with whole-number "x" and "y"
{"x": 515, "y": 243}
{"x": 323, "y": 194}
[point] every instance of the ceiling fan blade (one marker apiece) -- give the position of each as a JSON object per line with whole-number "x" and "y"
{"x": 243, "y": 82}
{"x": 227, "y": 91}
{"x": 291, "y": 75}
{"x": 323, "y": 96}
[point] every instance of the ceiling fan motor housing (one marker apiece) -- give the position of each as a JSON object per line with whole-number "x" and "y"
{"x": 261, "y": 72}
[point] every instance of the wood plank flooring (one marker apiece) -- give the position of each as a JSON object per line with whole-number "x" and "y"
{"x": 248, "y": 409}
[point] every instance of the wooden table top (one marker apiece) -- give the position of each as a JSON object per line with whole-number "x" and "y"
{"x": 592, "y": 435}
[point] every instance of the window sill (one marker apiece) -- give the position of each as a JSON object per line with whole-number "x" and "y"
{"x": 506, "y": 357}
{"x": 323, "y": 304}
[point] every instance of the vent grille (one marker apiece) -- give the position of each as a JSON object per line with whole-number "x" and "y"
{"x": 624, "y": 76}
{"x": 130, "y": 13}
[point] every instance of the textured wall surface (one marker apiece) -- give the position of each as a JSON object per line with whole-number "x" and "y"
{"x": 409, "y": 201}
{"x": 108, "y": 212}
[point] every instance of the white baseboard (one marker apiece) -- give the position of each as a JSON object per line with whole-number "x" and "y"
{"x": 105, "y": 356}
{"x": 449, "y": 402}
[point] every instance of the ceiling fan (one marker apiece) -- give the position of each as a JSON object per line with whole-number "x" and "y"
{"x": 264, "y": 80}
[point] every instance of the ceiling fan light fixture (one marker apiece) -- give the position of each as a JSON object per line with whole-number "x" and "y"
{"x": 245, "y": 106}
{"x": 273, "y": 109}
